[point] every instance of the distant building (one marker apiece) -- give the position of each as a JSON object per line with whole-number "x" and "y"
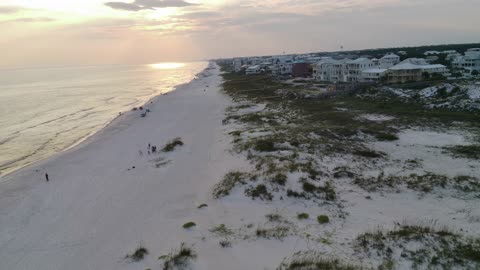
{"x": 237, "y": 64}
{"x": 388, "y": 61}
{"x": 282, "y": 65}
{"x": 329, "y": 69}
{"x": 437, "y": 68}
{"x": 449, "y": 51}
{"x": 353, "y": 69}
{"x": 470, "y": 61}
{"x": 415, "y": 61}
{"x": 431, "y": 53}
{"x": 404, "y": 72}
{"x": 251, "y": 70}
{"x": 372, "y": 75}
{"x": 301, "y": 70}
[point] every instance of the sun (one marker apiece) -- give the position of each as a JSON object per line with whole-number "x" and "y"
{"x": 167, "y": 65}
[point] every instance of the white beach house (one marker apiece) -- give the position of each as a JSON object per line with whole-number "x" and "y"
{"x": 372, "y": 75}
{"x": 252, "y": 70}
{"x": 353, "y": 69}
{"x": 470, "y": 61}
{"x": 388, "y": 61}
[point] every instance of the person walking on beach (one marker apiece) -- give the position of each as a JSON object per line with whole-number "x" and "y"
{"x": 46, "y": 176}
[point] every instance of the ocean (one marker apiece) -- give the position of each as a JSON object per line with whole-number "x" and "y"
{"x": 46, "y": 110}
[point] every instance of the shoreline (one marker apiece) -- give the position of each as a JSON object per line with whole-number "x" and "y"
{"x": 92, "y": 134}
{"x": 104, "y": 197}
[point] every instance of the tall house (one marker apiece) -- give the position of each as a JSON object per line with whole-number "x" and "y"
{"x": 389, "y": 61}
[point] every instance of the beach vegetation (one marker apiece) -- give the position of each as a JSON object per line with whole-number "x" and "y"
{"x": 170, "y": 146}
{"x": 229, "y": 181}
{"x": 277, "y": 232}
{"x": 279, "y": 179}
{"x": 274, "y": 217}
{"x": 386, "y": 137}
{"x": 221, "y": 230}
{"x": 265, "y": 146}
{"x": 303, "y": 216}
{"x": 425, "y": 244}
{"x": 316, "y": 261}
{"x": 189, "y": 225}
{"x": 179, "y": 258}
{"x": 465, "y": 151}
{"x": 203, "y": 205}
{"x": 138, "y": 254}
{"x": 260, "y": 191}
{"x": 323, "y": 219}
{"x": 225, "y": 243}
{"x": 367, "y": 153}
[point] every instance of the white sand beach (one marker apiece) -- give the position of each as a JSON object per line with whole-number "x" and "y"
{"x": 96, "y": 208}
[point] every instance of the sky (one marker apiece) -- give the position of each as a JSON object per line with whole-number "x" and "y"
{"x": 90, "y": 32}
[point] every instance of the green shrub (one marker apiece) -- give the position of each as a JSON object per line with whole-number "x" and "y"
{"x": 189, "y": 225}
{"x": 307, "y": 187}
{"x": 178, "y": 259}
{"x": 367, "y": 153}
{"x": 303, "y": 216}
{"x": 221, "y": 230}
{"x": 138, "y": 255}
{"x": 466, "y": 151}
{"x": 169, "y": 147}
{"x": 386, "y": 137}
{"x": 280, "y": 179}
{"x": 228, "y": 182}
{"x": 264, "y": 146}
{"x": 202, "y": 205}
{"x": 322, "y": 219}
{"x": 260, "y": 191}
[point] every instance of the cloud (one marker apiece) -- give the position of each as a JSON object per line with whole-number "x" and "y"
{"x": 124, "y": 6}
{"x": 29, "y": 20}
{"x": 9, "y": 9}
{"x": 148, "y": 4}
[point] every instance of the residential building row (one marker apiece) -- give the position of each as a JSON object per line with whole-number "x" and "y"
{"x": 388, "y": 68}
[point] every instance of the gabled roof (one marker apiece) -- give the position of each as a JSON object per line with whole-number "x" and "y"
{"x": 359, "y": 60}
{"x": 391, "y": 55}
{"x": 433, "y": 66}
{"x": 374, "y": 70}
{"x": 405, "y": 66}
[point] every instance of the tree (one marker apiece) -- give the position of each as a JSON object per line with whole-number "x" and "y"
{"x": 425, "y": 75}
{"x": 474, "y": 72}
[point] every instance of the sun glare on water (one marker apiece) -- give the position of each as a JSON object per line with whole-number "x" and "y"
{"x": 167, "y": 65}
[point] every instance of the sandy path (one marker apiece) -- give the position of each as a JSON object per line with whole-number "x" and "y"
{"x": 94, "y": 210}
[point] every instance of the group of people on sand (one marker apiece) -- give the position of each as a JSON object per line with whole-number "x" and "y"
{"x": 151, "y": 149}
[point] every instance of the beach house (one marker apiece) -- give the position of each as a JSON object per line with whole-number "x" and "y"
{"x": 404, "y": 72}
{"x": 372, "y": 75}
{"x": 469, "y": 61}
{"x": 388, "y": 61}
{"x": 353, "y": 69}
{"x": 252, "y": 70}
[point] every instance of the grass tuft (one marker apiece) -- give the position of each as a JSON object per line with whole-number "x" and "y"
{"x": 228, "y": 182}
{"x": 303, "y": 216}
{"x": 315, "y": 261}
{"x": 323, "y": 219}
{"x": 178, "y": 259}
{"x": 138, "y": 255}
{"x": 189, "y": 225}
{"x": 169, "y": 147}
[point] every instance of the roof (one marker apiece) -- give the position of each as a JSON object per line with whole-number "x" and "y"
{"x": 359, "y": 60}
{"x": 433, "y": 66}
{"x": 405, "y": 66}
{"x": 391, "y": 55}
{"x": 374, "y": 70}
{"x": 415, "y": 61}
